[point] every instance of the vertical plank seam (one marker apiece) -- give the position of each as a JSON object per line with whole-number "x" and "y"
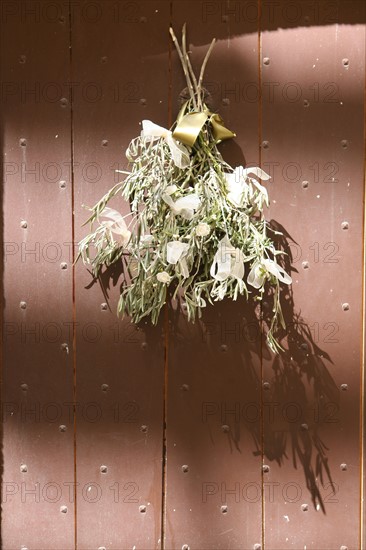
{"x": 73, "y": 266}
{"x": 363, "y": 344}
{"x": 2, "y": 297}
{"x": 259, "y": 11}
{"x": 164, "y": 446}
{"x": 166, "y": 326}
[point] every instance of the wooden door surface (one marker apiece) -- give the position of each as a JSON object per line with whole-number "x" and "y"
{"x": 181, "y": 436}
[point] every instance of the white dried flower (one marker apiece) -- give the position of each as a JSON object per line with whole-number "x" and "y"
{"x": 171, "y": 189}
{"x": 146, "y": 239}
{"x": 185, "y": 206}
{"x": 163, "y": 277}
{"x": 202, "y": 229}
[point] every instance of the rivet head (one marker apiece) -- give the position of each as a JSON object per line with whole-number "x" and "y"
{"x": 224, "y": 509}
{"x": 305, "y": 184}
{"x": 144, "y": 429}
{"x": 185, "y": 547}
{"x": 265, "y": 144}
{"x": 61, "y": 19}
{"x": 63, "y": 265}
{"x": 62, "y": 428}
{"x": 343, "y": 467}
{"x": 304, "y": 427}
{"x": 104, "y": 387}
{"x": 24, "y": 387}
{"x": 104, "y": 59}
{"x": 185, "y": 468}
{"x": 224, "y": 18}
{"x": 144, "y": 345}
{"x": 266, "y": 386}
{"x": 23, "y": 305}
{"x": 184, "y": 387}
{"x": 143, "y": 101}
{"x": 304, "y": 507}
{"x": 103, "y": 469}
{"x": 306, "y": 103}
{"x": 102, "y": 548}
{"x": 23, "y": 468}
{"x": 265, "y": 468}
{"x": 225, "y": 101}
{"x": 103, "y": 306}
{"x": 223, "y": 347}
{"x": 225, "y": 428}
{"x": 344, "y": 387}
{"x": 305, "y": 265}
{"x": 345, "y": 225}
{"x": 65, "y": 347}
{"x": 345, "y": 306}
{"x": 23, "y": 142}
{"x": 344, "y": 143}
{"x": 343, "y": 547}
{"x": 62, "y": 184}
{"x": 345, "y": 62}
{"x": 266, "y": 61}
{"x": 23, "y": 224}
{"x": 22, "y": 59}
{"x": 257, "y": 546}
{"x": 142, "y": 509}
{"x": 63, "y": 509}
{"x": 63, "y": 102}
{"x": 104, "y": 142}
{"x": 143, "y": 19}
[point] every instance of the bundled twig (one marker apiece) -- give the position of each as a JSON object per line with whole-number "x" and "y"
{"x": 196, "y": 225}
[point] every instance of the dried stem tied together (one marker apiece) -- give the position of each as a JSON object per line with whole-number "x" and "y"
{"x": 196, "y": 227}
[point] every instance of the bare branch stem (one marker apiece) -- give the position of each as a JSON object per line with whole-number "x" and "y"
{"x": 184, "y": 65}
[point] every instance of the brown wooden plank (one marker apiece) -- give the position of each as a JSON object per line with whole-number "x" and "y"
{"x": 124, "y": 54}
{"x": 213, "y": 471}
{"x": 313, "y": 135}
{"x": 38, "y": 472}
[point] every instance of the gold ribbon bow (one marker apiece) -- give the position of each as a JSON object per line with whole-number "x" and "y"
{"x": 189, "y": 126}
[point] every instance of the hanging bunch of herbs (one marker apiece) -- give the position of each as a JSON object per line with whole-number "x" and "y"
{"x": 196, "y": 226}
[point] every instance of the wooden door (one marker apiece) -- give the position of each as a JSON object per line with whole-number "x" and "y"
{"x": 181, "y": 436}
